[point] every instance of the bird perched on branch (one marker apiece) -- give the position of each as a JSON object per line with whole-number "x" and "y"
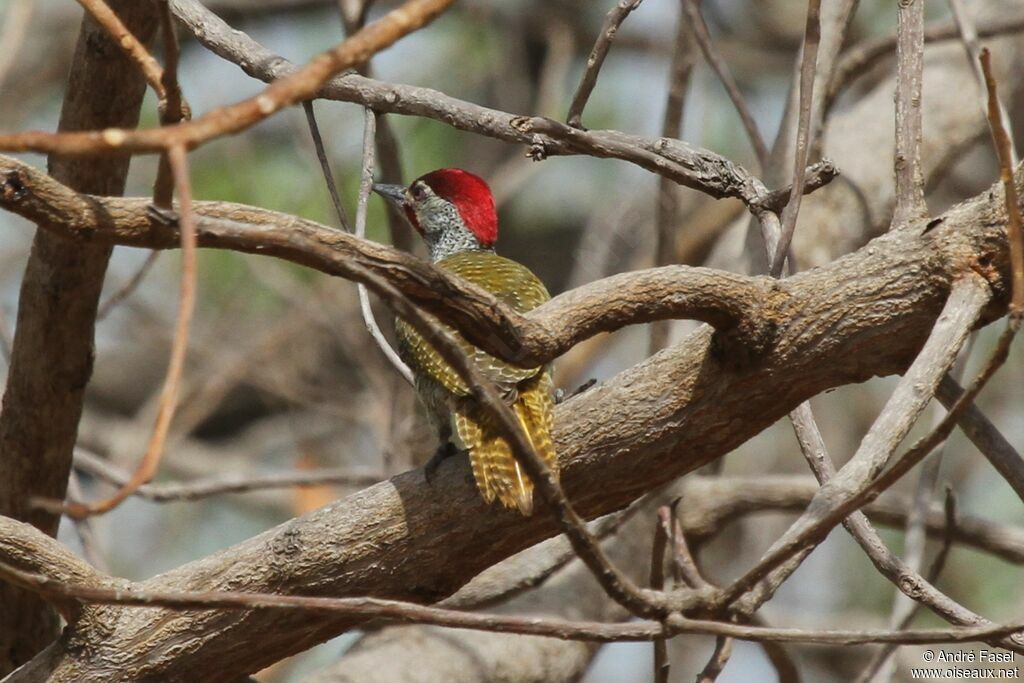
{"x": 453, "y": 211}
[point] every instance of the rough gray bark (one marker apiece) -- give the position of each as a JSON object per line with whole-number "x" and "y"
{"x": 865, "y": 315}
{"x": 51, "y": 359}
{"x": 427, "y": 654}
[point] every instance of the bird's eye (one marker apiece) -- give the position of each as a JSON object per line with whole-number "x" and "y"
{"x": 418, "y": 191}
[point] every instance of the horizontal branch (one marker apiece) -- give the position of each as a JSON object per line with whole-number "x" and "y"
{"x": 302, "y": 84}
{"x": 213, "y": 486}
{"x": 90, "y": 590}
{"x": 734, "y": 304}
{"x": 688, "y": 165}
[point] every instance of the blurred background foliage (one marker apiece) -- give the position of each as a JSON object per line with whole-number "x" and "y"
{"x": 282, "y": 375}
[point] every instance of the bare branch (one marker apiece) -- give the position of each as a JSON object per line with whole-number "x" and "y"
{"x": 302, "y": 85}
{"x": 721, "y": 69}
{"x": 692, "y": 167}
{"x": 667, "y": 206}
{"x": 985, "y": 436}
{"x": 612, "y": 448}
{"x": 214, "y": 486}
{"x": 733, "y": 303}
{"x": 1014, "y": 223}
{"x": 169, "y": 394}
{"x": 325, "y": 166}
{"x": 129, "y": 44}
{"x": 52, "y": 353}
{"x": 365, "y": 185}
{"x": 616, "y": 15}
{"x": 969, "y": 37}
{"x": 126, "y": 290}
{"x": 911, "y": 396}
{"x": 65, "y": 579}
{"x": 909, "y": 78}
{"x": 882, "y": 661}
{"x": 808, "y": 67}
{"x": 861, "y": 57}
{"x": 616, "y": 583}
{"x": 657, "y": 582}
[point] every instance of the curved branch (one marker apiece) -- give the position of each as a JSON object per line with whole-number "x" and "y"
{"x": 65, "y": 579}
{"x": 865, "y": 315}
{"x": 690, "y": 166}
{"x": 734, "y": 304}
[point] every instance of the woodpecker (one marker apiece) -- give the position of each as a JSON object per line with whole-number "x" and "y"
{"x": 454, "y": 212}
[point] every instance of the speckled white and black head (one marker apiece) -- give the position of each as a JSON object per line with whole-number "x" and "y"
{"x": 452, "y": 209}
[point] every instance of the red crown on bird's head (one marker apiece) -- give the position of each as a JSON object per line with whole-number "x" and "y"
{"x": 470, "y": 195}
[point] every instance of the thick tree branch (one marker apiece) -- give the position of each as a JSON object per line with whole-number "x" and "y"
{"x": 865, "y": 315}
{"x": 735, "y": 304}
{"x": 915, "y": 389}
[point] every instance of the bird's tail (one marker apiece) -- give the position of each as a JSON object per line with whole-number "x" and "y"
{"x": 498, "y": 474}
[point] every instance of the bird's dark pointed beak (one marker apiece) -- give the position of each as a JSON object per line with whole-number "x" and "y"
{"x": 394, "y": 194}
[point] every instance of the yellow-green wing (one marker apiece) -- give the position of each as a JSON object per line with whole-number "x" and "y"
{"x": 510, "y": 282}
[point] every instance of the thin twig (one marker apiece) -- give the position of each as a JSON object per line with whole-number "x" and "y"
{"x": 721, "y": 69}
{"x": 866, "y": 492}
{"x": 528, "y": 625}
{"x": 83, "y": 527}
{"x": 214, "y": 486}
{"x": 172, "y": 107}
{"x": 903, "y": 574}
{"x": 969, "y": 38}
{"x": 667, "y": 206}
{"x": 129, "y": 44}
{"x": 325, "y": 165}
{"x": 916, "y": 535}
{"x": 683, "y": 562}
{"x": 781, "y": 660}
{"x": 365, "y": 185}
{"x": 734, "y": 304}
{"x": 612, "y": 21}
{"x": 985, "y": 436}
{"x": 387, "y": 144}
{"x": 869, "y": 490}
{"x": 129, "y": 287}
{"x": 950, "y": 507}
{"x": 719, "y": 658}
{"x": 881, "y": 664}
{"x": 177, "y": 157}
{"x": 910, "y": 202}
{"x": 301, "y": 85}
{"x": 1004, "y": 151}
{"x": 808, "y": 67}
{"x": 862, "y": 57}
{"x": 616, "y": 584}
{"x": 691, "y": 167}
{"x": 657, "y": 581}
